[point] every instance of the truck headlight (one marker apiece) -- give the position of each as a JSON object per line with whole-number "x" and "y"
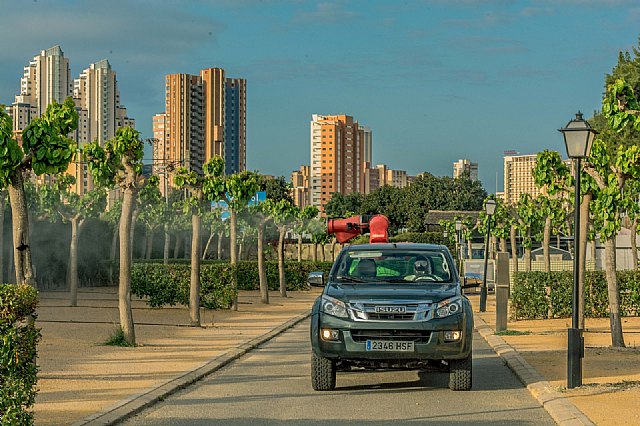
{"x": 334, "y": 307}
{"x": 449, "y": 307}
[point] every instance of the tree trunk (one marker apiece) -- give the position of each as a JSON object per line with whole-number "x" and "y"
{"x": 546, "y": 243}
{"x": 150, "y": 234}
{"x": 584, "y": 227}
{"x": 617, "y": 339}
{"x": 514, "y": 248}
{"x": 634, "y": 245}
{"x": 322, "y": 252}
{"x": 206, "y": 247}
{"x": 186, "y": 245}
{"x": 20, "y": 225}
{"x": 220, "y": 245}
{"x": 503, "y": 245}
{"x": 3, "y": 197}
{"x": 527, "y": 259}
{"x": 334, "y": 242}
{"x": 469, "y": 249}
{"x": 315, "y": 252}
{"x": 112, "y": 253}
{"x": 132, "y": 240}
{"x": 240, "y": 249}
{"x": 124, "y": 293}
{"x": 283, "y": 282}
{"x": 76, "y": 224}
{"x": 300, "y": 247}
{"x": 194, "y": 293}
{"x": 167, "y": 240}
{"x": 262, "y": 273}
{"x": 176, "y": 247}
{"x": 234, "y": 257}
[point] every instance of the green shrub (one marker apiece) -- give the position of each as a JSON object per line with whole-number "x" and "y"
{"x": 530, "y": 300}
{"x": 18, "y": 369}
{"x": 117, "y": 339}
{"x": 169, "y": 284}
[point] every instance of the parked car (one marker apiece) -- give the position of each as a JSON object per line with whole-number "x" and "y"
{"x": 391, "y": 306}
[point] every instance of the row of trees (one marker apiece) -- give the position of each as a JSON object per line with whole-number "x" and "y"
{"x": 118, "y": 165}
{"x": 610, "y": 191}
{"x": 406, "y": 207}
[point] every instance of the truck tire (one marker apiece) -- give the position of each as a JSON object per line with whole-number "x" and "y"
{"x": 323, "y": 373}
{"x": 460, "y": 374}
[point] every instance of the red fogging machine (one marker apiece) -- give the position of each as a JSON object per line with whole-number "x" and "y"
{"x": 346, "y": 229}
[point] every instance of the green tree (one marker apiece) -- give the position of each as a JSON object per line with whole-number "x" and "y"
{"x": 120, "y": 163}
{"x": 282, "y": 213}
{"x": 301, "y": 222}
{"x": 45, "y": 149}
{"x": 59, "y": 202}
{"x": 276, "y": 188}
{"x": 153, "y": 211}
{"x": 386, "y": 200}
{"x": 342, "y": 206}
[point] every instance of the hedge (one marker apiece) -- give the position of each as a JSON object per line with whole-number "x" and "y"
{"x": 169, "y": 284}
{"x": 539, "y": 295}
{"x": 18, "y": 369}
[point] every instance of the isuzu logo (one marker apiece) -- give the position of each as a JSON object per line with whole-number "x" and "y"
{"x": 391, "y": 309}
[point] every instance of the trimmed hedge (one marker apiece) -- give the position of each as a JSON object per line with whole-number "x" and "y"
{"x": 18, "y": 351}
{"x": 169, "y": 284}
{"x": 541, "y": 295}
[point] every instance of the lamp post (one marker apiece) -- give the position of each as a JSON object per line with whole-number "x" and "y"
{"x": 578, "y": 138}
{"x": 489, "y": 209}
{"x": 459, "y": 242}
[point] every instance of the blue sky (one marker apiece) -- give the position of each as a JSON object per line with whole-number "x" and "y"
{"x": 436, "y": 80}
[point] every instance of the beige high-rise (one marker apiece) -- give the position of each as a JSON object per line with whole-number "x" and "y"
{"x": 300, "y": 186}
{"x": 518, "y": 178}
{"x": 337, "y": 158}
{"x": 213, "y": 110}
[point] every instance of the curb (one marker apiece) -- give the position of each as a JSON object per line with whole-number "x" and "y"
{"x": 557, "y": 405}
{"x": 134, "y": 404}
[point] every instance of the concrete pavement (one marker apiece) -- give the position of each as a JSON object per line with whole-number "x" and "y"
{"x": 83, "y": 382}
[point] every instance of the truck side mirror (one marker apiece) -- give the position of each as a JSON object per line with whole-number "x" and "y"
{"x": 316, "y": 279}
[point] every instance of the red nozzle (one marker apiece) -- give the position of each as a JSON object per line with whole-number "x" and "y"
{"x": 378, "y": 229}
{"x": 345, "y": 229}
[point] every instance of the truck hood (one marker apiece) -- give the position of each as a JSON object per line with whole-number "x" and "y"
{"x": 377, "y": 292}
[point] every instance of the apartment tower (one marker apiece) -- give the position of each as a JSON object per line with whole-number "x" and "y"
{"x": 337, "y": 158}
{"x": 235, "y": 125}
{"x": 461, "y": 166}
{"x": 300, "y": 186}
{"x": 518, "y": 178}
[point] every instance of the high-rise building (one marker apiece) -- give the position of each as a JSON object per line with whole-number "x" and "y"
{"x": 100, "y": 114}
{"x": 184, "y": 122}
{"x": 205, "y": 116}
{"x": 461, "y": 166}
{"x": 235, "y": 125}
{"x": 518, "y": 178}
{"x": 337, "y": 162}
{"x": 47, "y": 78}
{"x": 300, "y": 186}
{"x": 213, "y": 83}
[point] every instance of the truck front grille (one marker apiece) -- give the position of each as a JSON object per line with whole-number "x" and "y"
{"x": 362, "y": 336}
{"x": 390, "y": 317}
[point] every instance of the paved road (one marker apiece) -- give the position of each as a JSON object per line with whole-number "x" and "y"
{"x": 271, "y": 386}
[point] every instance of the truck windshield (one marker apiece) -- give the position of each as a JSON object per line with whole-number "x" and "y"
{"x": 395, "y": 266}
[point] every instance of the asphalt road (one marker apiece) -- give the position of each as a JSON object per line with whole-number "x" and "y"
{"x": 271, "y": 386}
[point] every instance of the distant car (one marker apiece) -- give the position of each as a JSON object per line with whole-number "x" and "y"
{"x": 391, "y": 306}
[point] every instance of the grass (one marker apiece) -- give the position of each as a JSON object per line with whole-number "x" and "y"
{"x": 512, "y": 333}
{"x": 117, "y": 339}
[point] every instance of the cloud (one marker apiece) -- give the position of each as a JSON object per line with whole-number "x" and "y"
{"x": 325, "y": 12}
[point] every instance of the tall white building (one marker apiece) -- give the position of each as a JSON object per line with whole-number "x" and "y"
{"x": 47, "y": 78}
{"x": 460, "y": 166}
{"x": 518, "y": 177}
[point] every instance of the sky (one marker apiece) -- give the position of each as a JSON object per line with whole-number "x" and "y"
{"x": 435, "y": 80}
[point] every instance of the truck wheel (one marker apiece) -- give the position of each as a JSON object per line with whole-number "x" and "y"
{"x": 460, "y": 372}
{"x": 323, "y": 373}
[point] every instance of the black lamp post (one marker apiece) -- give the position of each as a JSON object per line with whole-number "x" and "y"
{"x": 489, "y": 209}
{"x": 578, "y": 137}
{"x": 459, "y": 242}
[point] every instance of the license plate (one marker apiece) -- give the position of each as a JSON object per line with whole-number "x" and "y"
{"x": 388, "y": 346}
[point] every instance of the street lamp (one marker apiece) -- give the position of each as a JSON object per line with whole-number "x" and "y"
{"x": 459, "y": 241}
{"x": 489, "y": 209}
{"x": 578, "y": 138}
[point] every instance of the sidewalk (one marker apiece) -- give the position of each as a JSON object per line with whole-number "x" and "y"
{"x": 79, "y": 377}
{"x": 611, "y": 378}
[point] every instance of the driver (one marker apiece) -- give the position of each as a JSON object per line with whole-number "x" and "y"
{"x": 422, "y": 268}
